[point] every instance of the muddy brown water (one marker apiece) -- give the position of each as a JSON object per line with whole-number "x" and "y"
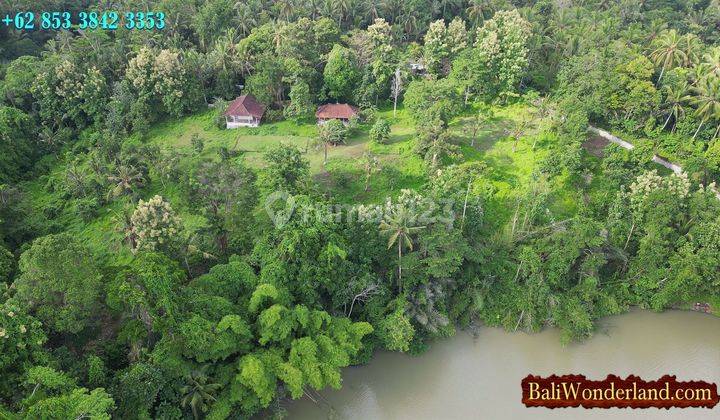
{"x": 479, "y": 378}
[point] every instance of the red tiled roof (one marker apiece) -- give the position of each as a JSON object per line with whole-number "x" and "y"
{"x": 329, "y": 111}
{"x": 245, "y": 105}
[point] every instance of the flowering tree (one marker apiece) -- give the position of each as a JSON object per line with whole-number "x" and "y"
{"x": 154, "y": 225}
{"x": 163, "y": 75}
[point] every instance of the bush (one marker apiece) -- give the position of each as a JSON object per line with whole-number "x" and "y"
{"x": 220, "y": 106}
{"x": 380, "y": 131}
{"x": 333, "y": 132}
{"x": 198, "y": 144}
{"x": 87, "y": 208}
{"x": 273, "y": 115}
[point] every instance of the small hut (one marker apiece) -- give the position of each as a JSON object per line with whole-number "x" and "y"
{"x": 244, "y": 111}
{"x": 342, "y": 112}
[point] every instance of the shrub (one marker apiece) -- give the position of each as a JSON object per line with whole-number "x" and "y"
{"x": 198, "y": 144}
{"x": 380, "y": 131}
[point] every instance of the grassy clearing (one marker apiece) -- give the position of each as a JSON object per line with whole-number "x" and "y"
{"x": 510, "y": 166}
{"x": 343, "y": 177}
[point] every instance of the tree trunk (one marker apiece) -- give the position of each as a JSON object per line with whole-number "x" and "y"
{"x": 325, "y": 161}
{"x": 716, "y": 132}
{"x": 519, "y": 319}
{"x": 698, "y": 129}
{"x": 667, "y": 121}
{"x": 661, "y": 74}
{"x": 395, "y": 104}
{"x": 627, "y": 241}
{"x": 222, "y": 241}
{"x": 467, "y": 192}
{"x": 351, "y": 306}
{"x": 514, "y": 223}
{"x": 187, "y": 265}
{"x": 400, "y": 265}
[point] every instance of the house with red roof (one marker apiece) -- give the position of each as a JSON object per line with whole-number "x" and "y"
{"x": 244, "y": 111}
{"x": 342, "y": 112}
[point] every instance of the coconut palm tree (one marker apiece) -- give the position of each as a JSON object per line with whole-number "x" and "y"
{"x": 126, "y": 179}
{"x": 370, "y": 164}
{"x": 49, "y": 136}
{"x": 448, "y": 4}
{"x": 373, "y": 7}
{"x": 224, "y": 54}
{"x": 245, "y": 18}
{"x": 697, "y": 73}
{"x": 313, "y": 8}
{"x": 358, "y": 12}
{"x": 476, "y": 11}
{"x": 331, "y": 9}
{"x": 563, "y": 18}
{"x": 244, "y": 61}
{"x": 711, "y": 63}
{"x": 392, "y": 9}
{"x": 198, "y": 391}
{"x": 667, "y": 52}
{"x": 344, "y": 8}
{"x": 697, "y": 18}
{"x": 75, "y": 179}
{"x": 691, "y": 45}
{"x": 279, "y": 34}
{"x": 706, "y": 99}
{"x": 124, "y": 226}
{"x": 674, "y": 100}
{"x": 409, "y": 22}
{"x": 400, "y": 224}
{"x": 655, "y": 28}
{"x": 286, "y": 9}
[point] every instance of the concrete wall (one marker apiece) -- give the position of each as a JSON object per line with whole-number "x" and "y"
{"x": 235, "y": 122}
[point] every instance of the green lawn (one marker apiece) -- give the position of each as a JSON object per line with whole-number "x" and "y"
{"x": 342, "y": 179}
{"x": 343, "y": 175}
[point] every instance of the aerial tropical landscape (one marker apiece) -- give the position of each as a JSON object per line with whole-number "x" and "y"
{"x": 371, "y": 209}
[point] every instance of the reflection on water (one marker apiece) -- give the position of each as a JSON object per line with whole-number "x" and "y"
{"x": 467, "y": 378}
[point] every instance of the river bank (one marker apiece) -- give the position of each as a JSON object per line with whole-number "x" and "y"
{"x": 479, "y": 377}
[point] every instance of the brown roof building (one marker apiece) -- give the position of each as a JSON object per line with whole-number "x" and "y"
{"x": 244, "y": 111}
{"x": 342, "y": 112}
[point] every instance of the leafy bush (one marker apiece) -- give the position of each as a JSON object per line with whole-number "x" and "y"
{"x": 380, "y": 131}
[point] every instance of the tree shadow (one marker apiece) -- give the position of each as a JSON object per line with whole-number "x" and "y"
{"x": 493, "y": 130}
{"x": 399, "y": 138}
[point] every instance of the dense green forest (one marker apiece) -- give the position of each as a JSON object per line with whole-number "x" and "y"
{"x": 156, "y": 265}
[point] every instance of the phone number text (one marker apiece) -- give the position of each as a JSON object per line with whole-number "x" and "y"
{"x": 108, "y": 20}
